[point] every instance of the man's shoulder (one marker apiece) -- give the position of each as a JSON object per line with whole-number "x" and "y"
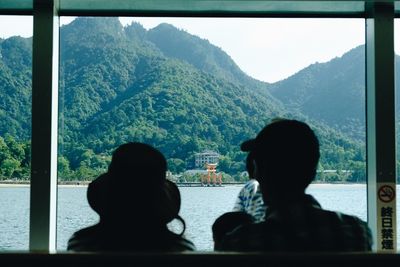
{"x": 346, "y": 222}
{"x": 318, "y": 230}
{"x": 355, "y": 231}
{"x": 348, "y": 232}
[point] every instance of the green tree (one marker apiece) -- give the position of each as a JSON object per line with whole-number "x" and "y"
{"x": 176, "y": 165}
{"x": 64, "y": 171}
{"x": 9, "y": 167}
{"x": 84, "y": 173}
{"x": 358, "y": 171}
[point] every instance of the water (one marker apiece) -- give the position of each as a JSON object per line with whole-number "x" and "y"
{"x": 14, "y": 218}
{"x": 200, "y": 207}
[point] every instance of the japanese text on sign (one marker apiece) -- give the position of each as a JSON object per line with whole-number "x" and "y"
{"x": 387, "y": 228}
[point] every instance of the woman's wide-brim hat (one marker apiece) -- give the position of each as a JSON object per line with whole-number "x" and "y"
{"x": 135, "y": 183}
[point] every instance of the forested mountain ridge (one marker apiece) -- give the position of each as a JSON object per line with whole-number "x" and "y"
{"x": 15, "y": 86}
{"x": 331, "y": 92}
{"x": 129, "y": 90}
{"x": 334, "y": 93}
{"x": 120, "y": 84}
{"x": 200, "y": 53}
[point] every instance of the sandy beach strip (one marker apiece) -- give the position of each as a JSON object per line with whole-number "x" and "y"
{"x": 5, "y": 185}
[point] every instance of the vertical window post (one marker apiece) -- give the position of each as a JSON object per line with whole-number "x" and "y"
{"x": 42, "y": 233}
{"x": 380, "y": 112}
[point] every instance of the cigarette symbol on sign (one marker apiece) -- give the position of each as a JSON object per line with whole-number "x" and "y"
{"x": 386, "y": 193}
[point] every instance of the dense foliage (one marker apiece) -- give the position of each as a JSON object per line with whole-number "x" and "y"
{"x": 164, "y": 87}
{"x": 332, "y": 92}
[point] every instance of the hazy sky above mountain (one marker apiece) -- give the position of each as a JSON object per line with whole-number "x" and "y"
{"x": 272, "y": 49}
{"x": 266, "y": 49}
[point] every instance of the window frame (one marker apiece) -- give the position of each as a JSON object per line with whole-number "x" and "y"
{"x": 380, "y": 87}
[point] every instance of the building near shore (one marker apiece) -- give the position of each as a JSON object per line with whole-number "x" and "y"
{"x": 206, "y": 157}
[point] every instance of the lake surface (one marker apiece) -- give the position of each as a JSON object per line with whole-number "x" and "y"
{"x": 200, "y": 207}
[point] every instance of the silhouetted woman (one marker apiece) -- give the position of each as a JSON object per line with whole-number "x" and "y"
{"x": 135, "y": 202}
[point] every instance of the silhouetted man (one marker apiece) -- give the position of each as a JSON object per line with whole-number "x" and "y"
{"x": 286, "y": 154}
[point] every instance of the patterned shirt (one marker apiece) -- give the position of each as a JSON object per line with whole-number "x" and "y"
{"x": 302, "y": 226}
{"x": 250, "y": 201}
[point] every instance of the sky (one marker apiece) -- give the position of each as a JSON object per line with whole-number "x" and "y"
{"x": 266, "y": 49}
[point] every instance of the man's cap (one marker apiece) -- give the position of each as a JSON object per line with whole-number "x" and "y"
{"x": 288, "y": 149}
{"x": 253, "y": 144}
{"x": 248, "y": 145}
{"x": 287, "y": 132}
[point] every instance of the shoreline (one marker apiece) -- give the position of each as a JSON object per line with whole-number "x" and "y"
{"x": 9, "y": 183}
{"x": 68, "y": 184}
{"x": 335, "y": 184}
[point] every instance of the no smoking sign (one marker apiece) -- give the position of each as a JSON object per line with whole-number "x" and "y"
{"x": 386, "y": 218}
{"x": 386, "y": 193}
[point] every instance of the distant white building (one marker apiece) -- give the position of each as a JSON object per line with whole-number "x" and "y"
{"x": 207, "y": 156}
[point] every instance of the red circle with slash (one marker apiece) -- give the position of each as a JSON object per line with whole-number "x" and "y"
{"x": 386, "y": 193}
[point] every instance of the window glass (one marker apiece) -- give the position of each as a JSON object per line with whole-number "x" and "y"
{"x": 196, "y": 88}
{"x": 15, "y": 130}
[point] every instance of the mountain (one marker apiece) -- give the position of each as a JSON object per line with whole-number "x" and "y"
{"x": 120, "y": 92}
{"x": 200, "y": 53}
{"x": 15, "y": 86}
{"x": 331, "y": 92}
{"x": 164, "y": 87}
